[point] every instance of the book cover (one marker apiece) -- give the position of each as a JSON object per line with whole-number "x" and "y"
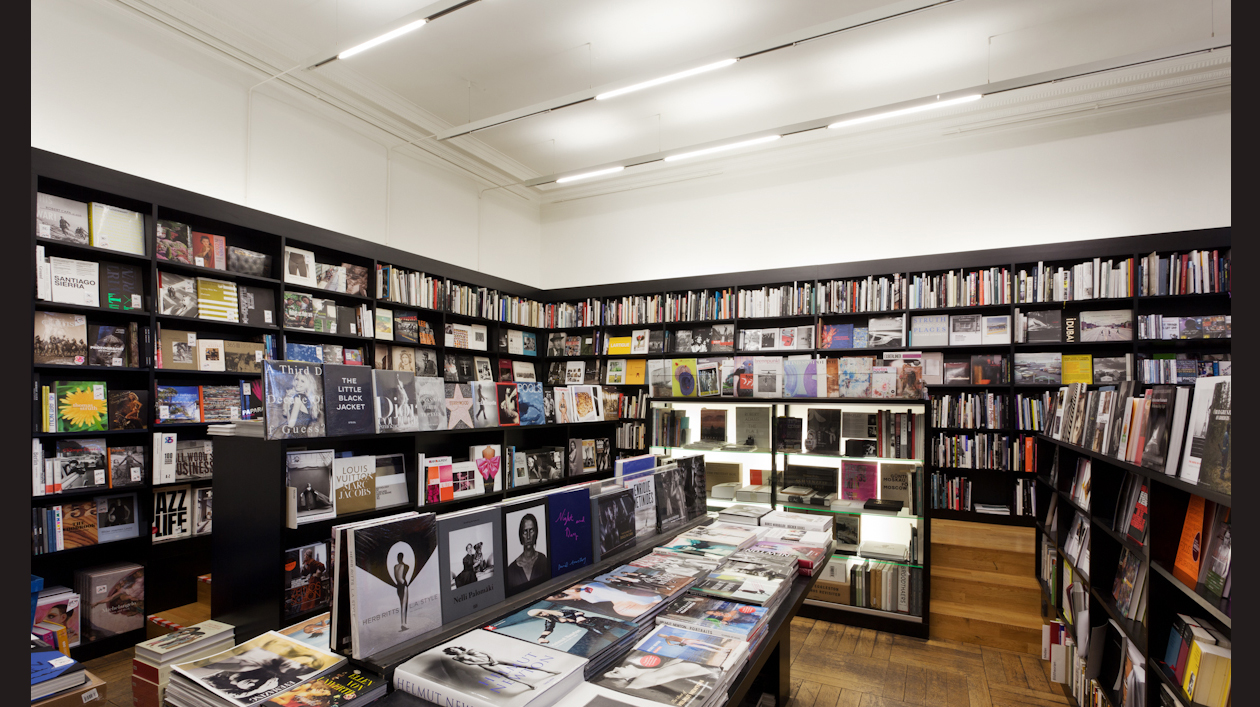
{"x": 896, "y": 482}
{"x": 507, "y": 396}
{"x": 310, "y": 473}
{"x": 75, "y": 281}
{"x": 471, "y": 562}
{"x": 128, "y": 409}
{"x": 671, "y": 499}
{"x": 391, "y": 481}
{"x": 438, "y": 482}
{"x": 430, "y": 403}
{"x": 113, "y": 599}
{"x": 684, "y": 378}
{"x": 61, "y": 339}
{"x": 174, "y": 242}
{"x": 393, "y": 582}
{"x": 752, "y": 426}
{"x": 217, "y": 300}
{"x": 672, "y": 681}
{"x": 1078, "y": 368}
{"x": 61, "y": 219}
{"x": 261, "y": 668}
{"x": 194, "y": 459}
{"x": 823, "y": 431}
{"x": 459, "y": 406}
{"x": 257, "y": 306}
{"x": 562, "y": 628}
{"x": 1215, "y": 468}
{"x": 126, "y": 466}
{"x": 1038, "y": 368}
{"x": 354, "y": 484}
{"x": 997, "y": 329}
{"x": 114, "y": 228}
{"x": 1043, "y": 326}
{"x": 574, "y": 372}
{"x": 203, "y": 511}
{"x": 930, "y": 330}
{"x": 293, "y": 396}
{"x": 348, "y": 400}
{"x": 966, "y": 330}
{"x": 484, "y": 669}
{"x": 530, "y": 403}
{"x": 614, "y": 515}
{"x": 307, "y": 579}
{"x": 299, "y": 267}
{"x": 569, "y": 525}
{"x": 525, "y": 544}
{"x": 172, "y": 513}
{"x": 859, "y": 480}
{"x": 586, "y": 403}
{"x": 886, "y": 332}
{"x": 485, "y": 404}
{"x": 384, "y": 324}
{"x": 394, "y": 397}
{"x": 406, "y": 327}
{"x": 988, "y": 370}
{"x": 122, "y": 288}
{"x": 117, "y": 517}
{"x": 82, "y": 406}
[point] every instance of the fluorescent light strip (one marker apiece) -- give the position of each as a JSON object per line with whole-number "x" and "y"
{"x": 588, "y": 175}
{"x": 905, "y": 111}
{"x": 382, "y": 39}
{"x": 722, "y": 148}
{"x": 666, "y": 79}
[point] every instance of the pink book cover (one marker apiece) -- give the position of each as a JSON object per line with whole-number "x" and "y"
{"x": 220, "y": 253}
{"x": 859, "y": 481}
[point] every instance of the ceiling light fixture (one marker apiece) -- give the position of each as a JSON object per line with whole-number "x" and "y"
{"x": 906, "y": 111}
{"x": 383, "y": 38}
{"x": 722, "y": 148}
{"x": 588, "y": 175}
{"x": 666, "y": 79}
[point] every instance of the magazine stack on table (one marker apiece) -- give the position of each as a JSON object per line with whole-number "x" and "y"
{"x": 726, "y": 619}
{"x": 751, "y": 578}
{"x": 151, "y": 666}
{"x": 249, "y": 674}
{"x": 673, "y": 666}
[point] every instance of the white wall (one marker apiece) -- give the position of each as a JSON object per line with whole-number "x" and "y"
{"x": 1132, "y": 172}
{"x": 110, "y": 88}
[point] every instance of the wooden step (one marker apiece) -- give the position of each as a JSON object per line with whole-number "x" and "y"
{"x": 990, "y": 613}
{"x": 994, "y": 627}
{"x": 982, "y": 560}
{"x": 975, "y": 588}
{"x": 979, "y": 576}
{"x": 1005, "y": 538}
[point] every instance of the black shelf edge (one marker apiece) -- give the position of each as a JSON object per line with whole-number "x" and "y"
{"x": 1122, "y": 538}
{"x": 90, "y": 251}
{"x": 1075, "y": 303}
{"x": 1133, "y": 629}
{"x": 978, "y": 517}
{"x": 1160, "y": 669}
{"x": 960, "y": 308}
{"x": 88, "y": 433}
{"x": 1197, "y": 594}
{"x": 141, "y": 539}
{"x": 98, "y": 369}
{"x": 49, "y": 306}
{"x": 322, "y": 293}
{"x": 194, "y": 322}
{"x": 302, "y": 333}
{"x": 215, "y": 274}
{"x": 1197, "y": 295}
{"x": 1196, "y": 489}
{"x": 177, "y": 372}
{"x": 791, "y": 401}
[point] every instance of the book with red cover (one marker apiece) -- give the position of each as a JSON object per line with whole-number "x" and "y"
{"x": 1138, "y": 521}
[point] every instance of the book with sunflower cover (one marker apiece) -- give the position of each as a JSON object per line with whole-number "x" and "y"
{"x": 82, "y": 406}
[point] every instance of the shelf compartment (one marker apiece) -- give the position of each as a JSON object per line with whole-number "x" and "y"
{"x": 863, "y": 610}
{"x": 1198, "y": 594}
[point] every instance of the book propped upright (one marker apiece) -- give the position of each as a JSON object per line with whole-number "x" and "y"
{"x": 569, "y": 523}
{"x": 471, "y": 561}
{"x": 393, "y": 573}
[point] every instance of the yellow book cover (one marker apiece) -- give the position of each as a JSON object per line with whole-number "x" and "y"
{"x": 79, "y": 526}
{"x": 1192, "y": 669}
{"x": 684, "y": 385}
{"x": 116, "y": 229}
{"x": 636, "y": 371}
{"x": 1078, "y": 368}
{"x": 217, "y": 299}
{"x": 619, "y": 345}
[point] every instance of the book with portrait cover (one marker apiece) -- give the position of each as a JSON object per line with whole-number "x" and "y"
{"x": 293, "y": 395}
{"x": 470, "y": 561}
{"x": 695, "y": 502}
{"x": 395, "y": 401}
{"x": 485, "y": 404}
{"x": 577, "y": 632}
{"x": 484, "y": 669}
{"x": 671, "y": 501}
{"x": 128, "y": 409}
{"x": 613, "y": 515}
{"x": 823, "y": 431}
{"x": 174, "y": 242}
{"x": 530, "y": 403}
{"x": 569, "y": 526}
{"x": 307, "y": 579}
{"x": 509, "y": 414}
{"x": 394, "y": 579}
{"x": 524, "y": 541}
{"x": 273, "y": 662}
{"x": 672, "y": 681}
{"x": 310, "y": 475}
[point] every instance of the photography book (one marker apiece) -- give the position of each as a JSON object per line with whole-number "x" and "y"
{"x": 470, "y": 561}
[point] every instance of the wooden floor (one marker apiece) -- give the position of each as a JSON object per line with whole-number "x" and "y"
{"x": 844, "y": 666}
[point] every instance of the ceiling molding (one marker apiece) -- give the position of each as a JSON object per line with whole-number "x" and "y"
{"x": 1166, "y": 82}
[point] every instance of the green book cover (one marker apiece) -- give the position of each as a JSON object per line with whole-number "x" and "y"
{"x": 82, "y": 406}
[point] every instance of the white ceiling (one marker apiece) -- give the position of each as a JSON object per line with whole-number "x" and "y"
{"x": 498, "y": 55}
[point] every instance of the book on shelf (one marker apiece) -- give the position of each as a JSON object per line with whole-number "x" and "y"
{"x": 475, "y": 579}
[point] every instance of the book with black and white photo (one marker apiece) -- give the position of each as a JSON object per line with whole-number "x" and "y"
{"x": 394, "y": 398}
{"x": 484, "y": 669}
{"x": 823, "y": 428}
{"x": 525, "y": 533}
{"x": 966, "y": 330}
{"x": 613, "y": 513}
{"x": 310, "y": 476}
{"x": 470, "y": 561}
{"x": 394, "y": 578}
{"x": 61, "y": 219}
{"x": 886, "y": 332}
{"x": 430, "y": 403}
{"x": 177, "y": 295}
{"x": 251, "y": 672}
{"x": 257, "y": 305}
{"x": 1043, "y": 326}
{"x": 671, "y": 507}
{"x": 294, "y": 399}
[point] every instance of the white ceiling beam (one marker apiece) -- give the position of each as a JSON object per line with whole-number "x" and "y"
{"x": 1062, "y": 74}
{"x": 783, "y": 41}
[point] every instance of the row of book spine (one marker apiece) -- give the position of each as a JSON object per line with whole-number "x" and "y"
{"x": 960, "y": 289}
{"x": 970, "y": 410}
{"x": 408, "y": 287}
{"x": 1025, "y": 497}
{"x": 950, "y": 493}
{"x": 636, "y": 309}
{"x": 980, "y": 451}
{"x": 866, "y": 294}
{"x": 887, "y": 586}
{"x": 1093, "y": 279}
{"x": 1194, "y": 273}
{"x": 796, "y": 299}
{"x": 701, "y": 305}
{"x": 588, "y": 312}
{"x": 1034, "y": 413}
{"x": 631, "y": 435}
{"x": 1183, "y": 368}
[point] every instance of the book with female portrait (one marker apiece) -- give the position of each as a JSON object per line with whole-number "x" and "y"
{"x": 484, "y": 669}
{"x": 525, "y": 533}
{"x": 255, "y": 670}
{"x": 395, "y": 401}
{"x": 294, "y": 399}
{"x": 310, "y": 475}
{"x": 672, "y": 681}
{"x": 470, "y": 561}
{"x": 393, "y": 568}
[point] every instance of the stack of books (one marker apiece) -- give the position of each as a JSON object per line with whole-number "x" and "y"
{"x": 725, "y": 619}
{"x": 250, "y": 673}
{"x": 592, "y": 635}
{"x": 750, "y": 578}
{"x": 744, "y": 514}
{"x": 239, "y": 428}
{"x": 879, "y": 550}
{"x": 151, "y": 666}
{"x": 798, "y": 521}
{"x": 715, "y": 542}
{"x": 52, "y": 671}
{"x": 672, "y": 665}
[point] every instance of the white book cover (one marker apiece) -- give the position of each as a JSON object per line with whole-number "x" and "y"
{"x": 965, "y": 330}
{"x": 258, "y": 669}
{"x": 484, "y": 669}
{"x": 61, "y": 219}
{"x": 516, "y": 342}
{"x": 767, "y": 377}
{"x": 639, "y": 341}
{"x": 574, "y": 371}
{"x": 299, "y": 266}
{"x": 164, "y": 451}
{"x": 75, "y": 281}
{"x": 996, "y": 329}
{"x": 118, "y": 229}
{"x": 394, "y": 578}
{"x": 210, "y": 356}
{"x": 929, "y": 330}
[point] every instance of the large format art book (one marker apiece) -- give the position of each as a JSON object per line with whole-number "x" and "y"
{"x": 525, "y": 529}
{"x": 348, "y": 400}
{"x": 484, "y": 669}
{"x": 254, "y": 670}
{"x": 471, "y": 561}
{"x": 672, "y": 681}
{"x": 569, "y": 516}
{"x": 574, "y": 631}
{"x": 294, "y": 399}
{"x": 393, "y": 583}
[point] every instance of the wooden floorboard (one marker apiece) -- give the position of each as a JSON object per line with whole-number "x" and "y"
{"x": 834, "y": 665}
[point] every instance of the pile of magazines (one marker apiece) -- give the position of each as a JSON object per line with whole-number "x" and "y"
{"x": 677, "y": 666}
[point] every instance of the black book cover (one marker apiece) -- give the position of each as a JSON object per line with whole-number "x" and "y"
{"x": 348, "y": 399}
{"x": 1070, "y": 330}
{"x": 694, "y": 490}
{"x": 656, "y": 341}
{"x": 465, "y": 369}
{"x": 107, "y": 345}
{"x": 121, "y": 287}
{"x": 525, "y": 532}
{"x": 470, "y": 559}
{"x": 1044, "y": 327}
{"x": 860, "y": 448}
{"x": 823, "y": 431}
{"x": 348, "y": 321}
{"x": 555, "y": 373}
{"x": 127, "y": 409}
{"x": 788, "y": 433}
{"x": 671, "y": 501}
{"x": 614, "y": 520}
{"x": 257, "y": 305}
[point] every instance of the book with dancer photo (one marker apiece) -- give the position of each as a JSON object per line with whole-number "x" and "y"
{"x": 393, "y": 582}
{"x": 672, "y": 681}
{"x": 484, "y": 669}
{"x": 693, "y": 646}
{"x": 472, "y": 561}
{"x": 562, "y": 628}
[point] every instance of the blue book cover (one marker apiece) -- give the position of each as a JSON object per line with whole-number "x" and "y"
{"x": 836, "y": 336}
{"x": 529, "y": 343}
{"x": 569, "y": 516}
{"x": 310, "y": 353}
{"x": 530, "y": 403}
{"x": 48, "y": 663}
{"x": 632, "y": 468}
{"x": 794, "y": 378}
{"x": 861, "y": 335}
{"x": 179, "y": 403}
{"x": 691, "y": 646}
